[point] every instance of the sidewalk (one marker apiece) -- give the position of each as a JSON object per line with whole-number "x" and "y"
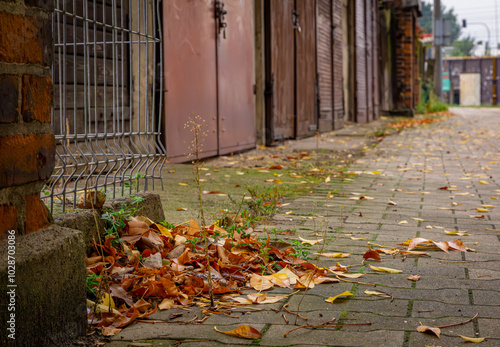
{"x": 410, "y": 169}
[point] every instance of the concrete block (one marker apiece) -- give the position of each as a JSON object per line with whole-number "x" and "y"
{"x": 48, "y": 300}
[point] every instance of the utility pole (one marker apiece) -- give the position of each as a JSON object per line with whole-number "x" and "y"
{"x": 438, "y": 67}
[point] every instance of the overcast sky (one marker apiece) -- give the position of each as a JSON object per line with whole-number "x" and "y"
{"x": 478, "y": 11}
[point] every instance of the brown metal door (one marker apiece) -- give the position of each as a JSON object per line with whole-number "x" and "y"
{"x": 190, "y": 74}
{"x": 325, "y": 68}
{"x": 375, "y": 60}
{"x": 235, "y": 56}
{"x": 369, "y": 59}
{"x": 305, "y": 68}
{"x": 279, "y": 70}
{"x": 360, "y": 64}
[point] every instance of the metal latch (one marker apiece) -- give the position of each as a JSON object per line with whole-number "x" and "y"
{"x": 220, "y": 13}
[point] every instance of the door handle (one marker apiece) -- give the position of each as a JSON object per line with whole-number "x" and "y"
{"x": 295, "y": 21}
{"x": 220, "y": 13}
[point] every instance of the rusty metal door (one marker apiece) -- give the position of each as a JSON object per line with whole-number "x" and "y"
{"x": 235, "y": 65}
{"x": 190, "y": 74}
{"x": 305, "y": 68}
{"x": 360, "y": 64}
{"x": 280, "y": 108}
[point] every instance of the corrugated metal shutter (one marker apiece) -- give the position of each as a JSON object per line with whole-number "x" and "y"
{"x": 360, "y": 67}
{"x": 338, "y": 90}
{"x": 325, "y": 59}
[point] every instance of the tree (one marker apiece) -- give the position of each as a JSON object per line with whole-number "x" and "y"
{"x": 425, "y": 22}
{"x": 463, "y": 47}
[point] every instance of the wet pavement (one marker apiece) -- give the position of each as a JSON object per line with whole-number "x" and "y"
{"x": 439, "y": 182}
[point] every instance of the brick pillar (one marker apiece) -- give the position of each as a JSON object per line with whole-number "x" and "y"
{"x": 27, "y": 145}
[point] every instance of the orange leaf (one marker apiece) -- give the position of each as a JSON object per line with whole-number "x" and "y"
{"x": 372, "y": 254}
{"x": 275, "y": 167}
{"x": 243, "y": 331}
{"x": 458, "y": 245}
{"x": 414, "y": 278}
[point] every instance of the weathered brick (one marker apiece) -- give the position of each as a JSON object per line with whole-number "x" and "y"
{"x": 25, "y": 39}
{"x": 9, "y": 219}
{"x": 37, "y": 97}
{"x": 37, "y": 214}
{"x": 26, "y": 158}
{"x": 8, "y": 98}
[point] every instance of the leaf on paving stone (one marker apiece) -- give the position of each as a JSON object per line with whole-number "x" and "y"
{"x": 280, "y": 279}
{"x": 183, "y": 184}
{"x": 142, "y": 305}
{"x": 289, "y": 212}
{"x": 476, "y": 215}
{"x": 376, "y": 173}
{"x": 275, "y": 167}
{"x": 366, "y": 197}
{"x": 418, "y": 219}
{"x": 457, "y": 245}
{"x": 425, "y": 329}
{"x": 334, "y": 255}
{"x": 385, "y": 269}
{"x": 240, "y": 173}
{"x": 324, "y": 279}
{"x": 333, "y": 298}
{"x": 243, "y": 331}
{"x": 110, "y": 331}
{"x": 327, "y": 179}
{"x": 487, "y": 206}
{"x": 494, "y": 197}
{"x": 311, "y": 242}
{"x": 181, "y": 209}
{"x": 417, "y": 253}
{"x": 372, "y": 254}
{"x": 263, "y": 298}
{"x": 412, "y": 243}
{"x": 291, "y": 276}
{"x": 414, "y": 278}
{"x": 387, "y": 251}
{"x": 260, "y": 283}
{"x": 474, "y": 339}
{"x": 482, "y": 210}
{"x": 484, "y": 182}
{"x": 166, "y": 304}
{"x": 390, "y": 202}
{"x": 403, "y": 222}
{"x": 377, "y": 293}
{"x": 428, "y": 227}
{"x": 492, "y": 229}
{"x": 305, "y": 281}
{"x": 211, "y": 192}
{"x": 358, "y": 238}
{"x": 348, "y": 275}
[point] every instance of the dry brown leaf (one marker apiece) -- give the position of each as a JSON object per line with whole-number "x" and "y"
{"x": 414, "y": 278}
{"x": 372, "y": 254}
{"x": 426, "y": 329}
{"x": 260, "y": 283}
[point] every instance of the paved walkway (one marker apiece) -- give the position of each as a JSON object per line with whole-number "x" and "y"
{"x": 408, "y": 169}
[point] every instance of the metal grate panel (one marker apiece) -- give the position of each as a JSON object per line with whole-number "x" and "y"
{"x": 107, "y": 77}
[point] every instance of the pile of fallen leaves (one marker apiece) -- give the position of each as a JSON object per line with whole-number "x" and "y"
{"x": 150, "y": 267}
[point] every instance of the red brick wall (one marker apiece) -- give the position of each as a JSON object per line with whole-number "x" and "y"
{"x": 406, "y": 59}
{"x": 27, "y": 146}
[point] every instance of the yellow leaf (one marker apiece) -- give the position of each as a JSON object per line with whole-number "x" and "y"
{"x": 183, "y": 184}
{"x": 332, "y": 298}
{"x": 280, "y": 279}
{"x": 99, "y": 308}
{"x": 376, "y": 173}
{"x": 291, "y": 276}
{"x": 107, "y": 300}
{"x": 484, "y": 182}
{"x": 358, "y": 238}
{"x": 163, "y": 230}
{"x": 327, "y": 179}
{"x": 487, "y": 206}
{"x": 473, "y": 339}
{"x": 403, "y": 222}
{"x": 418, "y": 219}
{"x": 334, "y": 255}
{"x": 494, "y": 198}
{"x": 240, "y": 173}
{"x": 386, "y": 269}
{"x": 482, "y": 210}
{"x": 311, "y": 242}
{"x": 181, "y": 209}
